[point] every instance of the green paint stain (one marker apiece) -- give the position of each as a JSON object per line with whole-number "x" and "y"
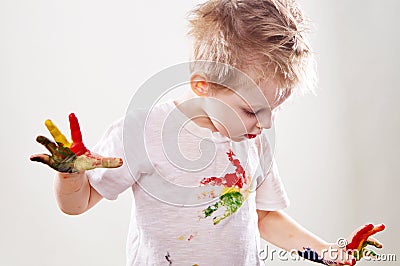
{"x": 232, "y": 201}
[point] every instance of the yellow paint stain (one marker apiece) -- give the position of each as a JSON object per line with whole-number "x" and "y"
{"x": 229, "y": 190}
{"x": 212, "y": 194}
{"x": 181, "y": 238}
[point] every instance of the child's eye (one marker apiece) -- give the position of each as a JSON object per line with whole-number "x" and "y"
{"x": 249, "y": 113}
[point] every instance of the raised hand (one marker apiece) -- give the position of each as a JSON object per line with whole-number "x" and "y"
{"x": 70, "y": 157}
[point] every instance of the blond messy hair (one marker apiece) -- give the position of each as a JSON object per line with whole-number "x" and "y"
{"x": 266, "y": 37}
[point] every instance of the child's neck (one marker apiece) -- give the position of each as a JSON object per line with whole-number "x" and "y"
{"x": 190, "y": 105}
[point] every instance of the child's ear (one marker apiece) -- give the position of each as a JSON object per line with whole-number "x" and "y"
{"x": 199, "y": 85}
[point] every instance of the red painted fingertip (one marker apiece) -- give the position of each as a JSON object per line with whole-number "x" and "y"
{"x": 380, "y": 227}
{"x": 377, "y": 229}
{"x": 76, "y": 134}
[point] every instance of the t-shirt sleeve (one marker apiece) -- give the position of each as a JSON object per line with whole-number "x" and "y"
{"x": 270, "y": 194}
{"x": 110, "y": 182}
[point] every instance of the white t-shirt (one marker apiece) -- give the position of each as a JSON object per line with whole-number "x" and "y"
{"x": 195, "y": 195}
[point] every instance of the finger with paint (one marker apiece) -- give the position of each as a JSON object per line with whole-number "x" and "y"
{"x": 363, "y": 238}
{"x": 61, "y": 158}
{"x": 89, "y": 162}
{"x": 77, "y": 145}
{"x": 56, "y": 133}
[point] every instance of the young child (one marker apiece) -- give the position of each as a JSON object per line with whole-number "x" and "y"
{"x": 200, "y": 166}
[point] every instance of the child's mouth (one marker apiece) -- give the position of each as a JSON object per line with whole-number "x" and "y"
{"x": 251, "y": 136}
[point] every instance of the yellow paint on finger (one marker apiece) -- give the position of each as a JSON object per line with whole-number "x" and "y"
{"x": 56, "y": 133}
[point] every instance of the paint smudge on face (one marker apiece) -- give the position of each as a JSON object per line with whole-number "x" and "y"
{"x": 232, "y": 197}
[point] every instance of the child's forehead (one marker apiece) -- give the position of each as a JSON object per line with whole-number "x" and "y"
{"x": 266, "y": 92}
{"x": 256, "y": 96}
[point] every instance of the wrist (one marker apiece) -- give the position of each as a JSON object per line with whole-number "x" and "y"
{"x": 68, "y": 183}
{"x": 323, "y": 246}
{"x": 318, "y": 252}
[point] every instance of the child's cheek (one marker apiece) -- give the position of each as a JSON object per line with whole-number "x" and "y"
{"x": 224, "y": 115}
{"x": 237, "y": 127}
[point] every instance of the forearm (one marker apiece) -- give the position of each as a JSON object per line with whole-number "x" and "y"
{"x": 282, "y": 231}
{"x": 73, "y": 193}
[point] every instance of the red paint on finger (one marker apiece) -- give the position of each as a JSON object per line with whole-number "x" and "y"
{"x": 378, "y": 228}
{"x": 362, "y": 235}
{"x": 77, "y": 145}
{"x": 75, "y": 129}
{"x": 79, "y": 148}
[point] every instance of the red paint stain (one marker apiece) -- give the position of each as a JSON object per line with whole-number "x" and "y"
{"x": 238, "y": 178}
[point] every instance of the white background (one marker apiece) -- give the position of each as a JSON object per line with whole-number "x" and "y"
{"x": 338, "y": 151}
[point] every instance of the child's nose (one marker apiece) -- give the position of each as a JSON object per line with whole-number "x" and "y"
{"x": 265, "y": 123}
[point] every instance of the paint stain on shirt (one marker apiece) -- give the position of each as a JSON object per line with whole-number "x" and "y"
{"x": 232, "y": 196}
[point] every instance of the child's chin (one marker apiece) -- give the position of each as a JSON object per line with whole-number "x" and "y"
{"x": 239, "y": 138}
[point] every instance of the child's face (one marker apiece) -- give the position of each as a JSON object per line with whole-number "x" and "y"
{"x": 244, "y": 113}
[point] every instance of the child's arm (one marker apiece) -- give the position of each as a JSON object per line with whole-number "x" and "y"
{"x": 74, "y": 194}
{"x": 279, "y": 229}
